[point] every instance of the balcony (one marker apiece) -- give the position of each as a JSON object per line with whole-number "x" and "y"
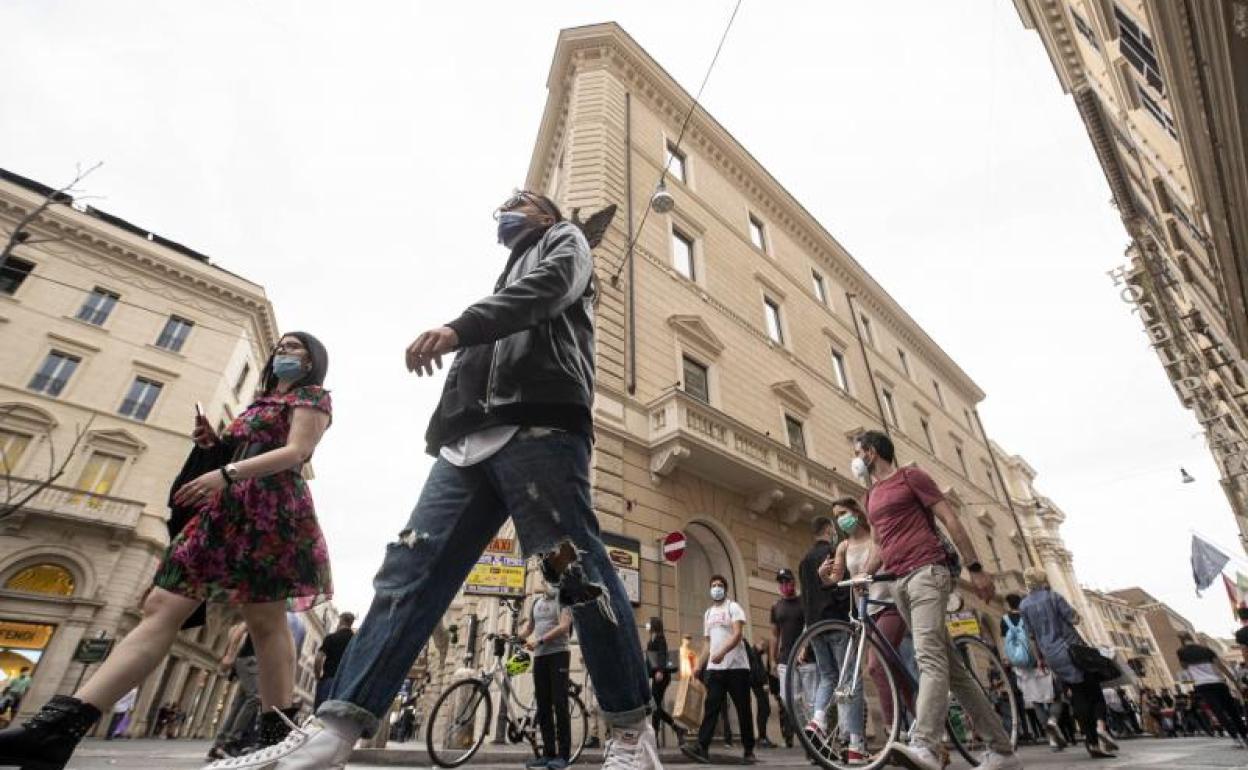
{"x": 72, "y": 504}
{"x": 687, "y": 433}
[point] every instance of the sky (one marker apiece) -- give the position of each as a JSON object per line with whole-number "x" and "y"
{"x": 347, "y": 156}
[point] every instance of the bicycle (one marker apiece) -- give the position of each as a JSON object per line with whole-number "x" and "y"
{"x": 463, "y": 715}
{"x": 850, "y": 640}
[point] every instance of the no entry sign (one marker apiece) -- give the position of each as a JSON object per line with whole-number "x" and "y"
{"x": 674, "y": 546}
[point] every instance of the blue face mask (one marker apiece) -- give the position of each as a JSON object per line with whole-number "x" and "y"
{"x": 287, "y": 367}
{"x": 511, "y": 225}
{"x": 718, "y": 593}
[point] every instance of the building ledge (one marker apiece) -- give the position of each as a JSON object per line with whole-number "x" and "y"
{"x": 72, "y": 504}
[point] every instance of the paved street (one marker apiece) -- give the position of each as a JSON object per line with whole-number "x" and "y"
{"x": 1177, "y": 754}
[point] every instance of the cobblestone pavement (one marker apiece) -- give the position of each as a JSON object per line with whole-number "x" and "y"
{"x": 1147, "y": 753}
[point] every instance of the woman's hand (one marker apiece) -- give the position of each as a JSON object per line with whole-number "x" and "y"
{"x": 825, "y": 569}
{"x": 203, "y": 435}
{"x": 199, "y": 491}
{"x": 658, "y": 676}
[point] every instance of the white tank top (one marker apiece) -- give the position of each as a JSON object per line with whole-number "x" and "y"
{"x": 856, "y": 558}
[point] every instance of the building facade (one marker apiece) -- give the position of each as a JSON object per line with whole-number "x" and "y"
{"x": 109, "y": 335}
{"x": 1130, "y": 635}
{"x": 1162, "y": 88}
{"x": 1164, "y": 625}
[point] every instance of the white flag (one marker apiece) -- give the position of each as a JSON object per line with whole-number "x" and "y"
{"x": 1207, "y": 563}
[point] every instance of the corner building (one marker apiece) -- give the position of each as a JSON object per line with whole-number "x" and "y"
{"x": 739, "y": 349}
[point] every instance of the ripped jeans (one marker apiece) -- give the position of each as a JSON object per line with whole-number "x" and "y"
{"x": 541, "y": 480}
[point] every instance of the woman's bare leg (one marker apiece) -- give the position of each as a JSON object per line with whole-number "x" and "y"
{"x": 275, "y": 650}
{"x": 138, "y": 654}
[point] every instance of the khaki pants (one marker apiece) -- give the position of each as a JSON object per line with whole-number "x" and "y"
{"x": 921, "y": 599}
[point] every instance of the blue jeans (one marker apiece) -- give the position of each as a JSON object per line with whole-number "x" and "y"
{"x": 832, "y": 655}
{"x": 541, "y": 480}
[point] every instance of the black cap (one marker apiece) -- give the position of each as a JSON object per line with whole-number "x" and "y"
{"x": 784, "y": 574}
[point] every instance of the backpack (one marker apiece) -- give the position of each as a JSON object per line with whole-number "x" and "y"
{"x": 1017, "y": 647}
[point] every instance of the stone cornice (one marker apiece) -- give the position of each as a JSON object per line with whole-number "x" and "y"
{"x": 608, "y": 46}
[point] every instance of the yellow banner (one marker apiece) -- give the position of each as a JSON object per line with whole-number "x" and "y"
{"x": 24, "y": 636}
{"x": 496, "y": 575}
{"x": 963, "y": 624}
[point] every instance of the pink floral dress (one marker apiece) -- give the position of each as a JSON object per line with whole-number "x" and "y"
{"x": 258, "y": 540}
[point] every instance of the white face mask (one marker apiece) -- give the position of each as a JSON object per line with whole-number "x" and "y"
{"x": 718, "y": 593}
{"x": 860, "y": 469}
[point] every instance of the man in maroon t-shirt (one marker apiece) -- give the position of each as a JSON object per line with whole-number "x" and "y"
{"x": 902, "y": 506}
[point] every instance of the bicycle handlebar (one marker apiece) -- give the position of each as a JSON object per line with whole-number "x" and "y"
{"x": 879, "y": 577}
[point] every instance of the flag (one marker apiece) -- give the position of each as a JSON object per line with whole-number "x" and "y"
{"x": 1207, "y": 563}
{"x": 1241, "y": 582}
{"x": 1233, "y": 593}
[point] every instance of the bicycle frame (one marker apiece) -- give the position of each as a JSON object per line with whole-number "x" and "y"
{"x": 892, "y": 656}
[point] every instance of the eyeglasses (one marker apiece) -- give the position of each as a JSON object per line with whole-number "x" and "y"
{"x": 518, "y": 198}
{"x": 289, "y": 347}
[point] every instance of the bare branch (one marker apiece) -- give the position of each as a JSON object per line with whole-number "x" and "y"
{"x": 54, "y": 471}
{"x": 61, "y": 197}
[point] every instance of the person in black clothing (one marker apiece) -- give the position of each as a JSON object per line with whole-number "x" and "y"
{"x": 823, "y": 602}
{"x": 788, "y": 618}
{"x": 762, "y": 704}
{"x": 1210, "y": 676}
{"x": 659, "y": 661}
{"x": 330, "y": 654}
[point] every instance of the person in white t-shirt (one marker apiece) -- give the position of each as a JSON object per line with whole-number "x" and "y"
{"x": 727, "y": 667}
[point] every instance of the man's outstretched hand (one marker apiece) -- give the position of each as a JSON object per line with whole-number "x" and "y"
{"x": 428, "y": 349}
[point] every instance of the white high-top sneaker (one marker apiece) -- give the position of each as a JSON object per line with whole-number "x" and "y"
{"x": 631, "y": 748}
{"x": 265, "y": 758}
{"x": 324, "y": 749}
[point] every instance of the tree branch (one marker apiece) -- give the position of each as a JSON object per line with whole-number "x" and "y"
{"x": 54, "y": 471}
{"x": 61, "y": 197}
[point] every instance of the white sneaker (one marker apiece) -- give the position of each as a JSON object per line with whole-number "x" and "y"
{"x": 267, "y": 757}
{"x": 991, "y": 760}
{"x": 324, "y": 750}
{"x": 915, "y": 757}
{"x": 630, "y": 748}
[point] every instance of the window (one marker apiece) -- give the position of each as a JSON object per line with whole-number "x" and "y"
{"x": 821, "y": 288}
{"x": 905, "y": 362}
{"x": 97, "y": 307}
{"x": 174, "y": 334}
{"x": 1157, "y": 111}
{"x": 242, "y": 379}
{"x": 42, "y": 579}
{"x": 1085, "y": 29}
{"x": 1137, "y": 47}
{"x": 14, "y": 274}
{"x": 927, "y": 433}
{"x": 967, "y": 414}
{"x": 676, "y": 162}
{"x": 757, "y": 236}
{"x": 992, "y": 482}
{"x": 57, "y": 368}
{"x": 961, "y": 459}
{"x": 797, "y": 435}
{"x": 867, "y": 334}
{"x": 940, "y": 396}
{"x": 12, "y": 447}
{"x": 682, "y": 254}
{"x": 992, "y": 547}
{"x": 100, "y": 473}
{"x": 696, "y": 379}
{"x": 838, "y": 368}
{"x": 141, "y": 398}
{"x": 774, "y": 330}
{"x": 890, "y": 406}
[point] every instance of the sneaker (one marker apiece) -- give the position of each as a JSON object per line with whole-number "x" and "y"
{"x": 632, "y": 748}
{"x": 1096, "y": 752}
{"x": 1107, "y": 743}
{"x": 749, "y": 758}
{"x": 322, "y": 749}
{"x": 538, "y": 763}
{"x": 766, "y": 743}
{"x": 991, "y": 760}
{"x": 856, "y": 753}
{"x": 695, "y": 752}
{"x": 267, "y": 757}
{"x": 1055, "y": 735}
{"x": 915, "y": 757}
{"x": 557, "y": 763}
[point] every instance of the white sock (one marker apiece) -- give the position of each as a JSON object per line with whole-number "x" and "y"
{"x": 347, "y": 729}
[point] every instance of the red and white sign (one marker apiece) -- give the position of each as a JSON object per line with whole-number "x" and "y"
{"x": 674, "y": 546}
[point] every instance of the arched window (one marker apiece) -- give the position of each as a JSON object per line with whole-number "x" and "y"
{"x": 42, "y": 579}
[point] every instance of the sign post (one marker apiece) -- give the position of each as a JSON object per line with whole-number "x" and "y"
{"x": 672, "y": 547}
{"x": 91, "y": 651}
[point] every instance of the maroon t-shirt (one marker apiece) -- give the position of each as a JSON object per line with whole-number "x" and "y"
{"x": 904, "y": 531}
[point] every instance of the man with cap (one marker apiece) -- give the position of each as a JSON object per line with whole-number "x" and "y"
{"x": 787, "y": 621}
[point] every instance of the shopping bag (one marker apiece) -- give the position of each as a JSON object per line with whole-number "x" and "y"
{"x": 690, "y": 702}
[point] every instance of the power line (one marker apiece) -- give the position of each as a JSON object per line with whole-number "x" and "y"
{"x": 632, "y": 239}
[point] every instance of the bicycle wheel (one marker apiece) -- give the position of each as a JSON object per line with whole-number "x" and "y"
{"x": 822, "y": 669}
{"x": 578, "y": 720}
{"x": 994, "y": 682}
{"x": 458, "y": 723}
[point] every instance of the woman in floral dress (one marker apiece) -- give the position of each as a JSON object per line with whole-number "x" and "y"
{"x": 253, "y": 542}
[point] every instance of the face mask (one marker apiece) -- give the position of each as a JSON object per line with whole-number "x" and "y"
{"x": 718, "y": 593}
{"x": 511, "y": 225}
{"x": 847, "y": 522}
{"x": 287, "y": 367}
{"x": 787, "y": 590}
{"x": 860, "y": 469}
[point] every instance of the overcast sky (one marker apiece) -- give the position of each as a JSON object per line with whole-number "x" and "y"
{"x": 347, "y": 156}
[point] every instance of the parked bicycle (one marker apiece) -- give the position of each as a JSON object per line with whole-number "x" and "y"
{"x": 856, "y": 640}
{"x": 463, "y": 715}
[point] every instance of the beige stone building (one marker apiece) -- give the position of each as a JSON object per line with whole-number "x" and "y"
{"x": 117, "y": 331}
{"x": 1128, "y": 632}
{"x": 1162, "y": 88}
{"x": 1164, "y": 625}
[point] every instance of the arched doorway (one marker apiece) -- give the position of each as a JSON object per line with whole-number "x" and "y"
{"x": 706, "y": 554}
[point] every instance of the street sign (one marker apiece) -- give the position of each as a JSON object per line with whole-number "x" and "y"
{"x": 93, "y": 650}
{"x": 674, "y": 546}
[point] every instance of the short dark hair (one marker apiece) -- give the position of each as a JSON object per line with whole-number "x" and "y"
{"x": 878, "y": 442}
{"x": 346, "y": 619}
{"x": 317, "y": 356}
{"x": 1242, "y": 612}
{"x": 1013, "y": 600}
{"x": 819, "y": 524}
{"x": 717, "y": 578}
{"x": 656, "y": 625}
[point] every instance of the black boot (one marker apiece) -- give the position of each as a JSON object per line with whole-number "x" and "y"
{"x": 48, "y": 739}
